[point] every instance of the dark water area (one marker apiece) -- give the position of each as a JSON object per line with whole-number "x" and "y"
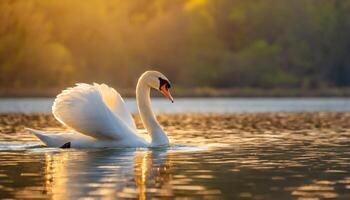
{"x": 212, "y": 156}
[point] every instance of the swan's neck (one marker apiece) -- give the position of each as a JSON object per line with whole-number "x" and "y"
{"x": 143, "y": 90}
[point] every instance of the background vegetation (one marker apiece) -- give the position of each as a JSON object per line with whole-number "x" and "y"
{"x": 196, "y": 43}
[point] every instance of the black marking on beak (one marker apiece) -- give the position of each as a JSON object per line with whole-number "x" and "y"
{"x": 163, "y": 82}
{"x": 65, "y": 146}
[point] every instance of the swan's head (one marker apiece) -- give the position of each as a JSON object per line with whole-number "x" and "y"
{"x": 159, "y": 82}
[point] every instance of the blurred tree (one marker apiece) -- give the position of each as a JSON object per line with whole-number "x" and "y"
{"x": 215, "y": 43}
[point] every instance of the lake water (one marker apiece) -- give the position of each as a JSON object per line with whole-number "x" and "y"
{"x": 218, "y": 105}
{"x": 221, "y": 155}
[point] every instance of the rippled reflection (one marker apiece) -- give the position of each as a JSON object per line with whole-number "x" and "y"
{"x": 243, "y": 156}
{"x": 108, "y": 174}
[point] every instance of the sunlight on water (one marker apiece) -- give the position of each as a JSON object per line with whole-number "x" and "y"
{"x": 248, "y": 156}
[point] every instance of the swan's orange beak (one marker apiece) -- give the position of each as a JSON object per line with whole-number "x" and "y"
{"x": 166, "y": 92}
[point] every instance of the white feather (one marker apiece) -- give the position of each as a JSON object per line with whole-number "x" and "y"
{"x": 116, "y": 104}
{"x": 82, "y": 108}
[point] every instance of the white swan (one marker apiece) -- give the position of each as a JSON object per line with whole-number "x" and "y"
{"x": 99, "y": 118}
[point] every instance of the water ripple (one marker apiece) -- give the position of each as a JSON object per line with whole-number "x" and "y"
{"x": 253, "y": 156}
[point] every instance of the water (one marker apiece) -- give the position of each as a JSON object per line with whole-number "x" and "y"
{"x": 212, "y": 156}
{"x": 219, "y": 105}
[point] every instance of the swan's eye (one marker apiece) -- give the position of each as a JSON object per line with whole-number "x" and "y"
{"x": 163, "y": 82}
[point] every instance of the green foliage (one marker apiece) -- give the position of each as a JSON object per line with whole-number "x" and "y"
{"x": 202, "y": 43}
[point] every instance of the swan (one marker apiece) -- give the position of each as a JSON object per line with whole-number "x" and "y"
{"x": 99, "y": 118}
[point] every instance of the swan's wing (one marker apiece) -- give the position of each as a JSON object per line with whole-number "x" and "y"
{"x": 116, "y": 104}
{"x": 83, "y": 109}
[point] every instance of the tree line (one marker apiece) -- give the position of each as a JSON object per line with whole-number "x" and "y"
{"x": 196, "y": 43}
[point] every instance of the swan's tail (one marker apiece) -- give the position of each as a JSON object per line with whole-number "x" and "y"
{"x": 44, "y": 137}
{"x": 62, "y": 140}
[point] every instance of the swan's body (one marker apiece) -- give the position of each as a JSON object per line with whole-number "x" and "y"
{"x": 99, "y": 117}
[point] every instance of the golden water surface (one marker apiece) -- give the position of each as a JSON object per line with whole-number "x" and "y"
{"x": 212, "y": 156}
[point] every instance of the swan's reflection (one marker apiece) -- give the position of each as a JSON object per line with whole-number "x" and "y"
{"x": 108, "y": 174}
